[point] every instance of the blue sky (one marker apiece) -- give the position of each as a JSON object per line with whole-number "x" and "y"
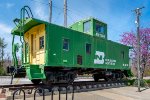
{"x": 116, "y": 13}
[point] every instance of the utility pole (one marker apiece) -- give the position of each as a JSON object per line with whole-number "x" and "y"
{"x": 50, "y": 11}
{"x": 65, "y": 13}
{"x": 138, "y": 14}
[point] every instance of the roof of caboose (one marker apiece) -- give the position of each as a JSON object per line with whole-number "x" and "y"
{"x": 29, "y": 23}
{"x": 87, "y": 19}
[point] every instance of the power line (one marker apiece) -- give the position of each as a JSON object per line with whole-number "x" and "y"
{"x": 57, "y": 17}
{"x": 71, "y": 18}
{"x": 78, "y": 12}
{"x": 40, "y": 2}
{"x": 47, "y": 4}
{"x": 68, "y": 9}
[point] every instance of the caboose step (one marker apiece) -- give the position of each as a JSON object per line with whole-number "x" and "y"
{"x": 35, "y": 72}
{"x": 37, "y": 76}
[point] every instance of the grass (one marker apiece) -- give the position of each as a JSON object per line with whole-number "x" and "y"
{"x": 144, "y": 82}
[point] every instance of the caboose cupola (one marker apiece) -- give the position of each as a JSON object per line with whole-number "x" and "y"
{"x": 92, "y": 27}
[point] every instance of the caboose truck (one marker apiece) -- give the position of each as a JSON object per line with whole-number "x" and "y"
{"x": 52, "y": 53}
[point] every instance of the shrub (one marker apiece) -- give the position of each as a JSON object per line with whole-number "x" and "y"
{"x": 2, "y": 71}
{"x": 143, "y": 82}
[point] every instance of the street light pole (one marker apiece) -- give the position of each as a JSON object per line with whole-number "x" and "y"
{"x": 65, "y": 13}
{"x": 50, "y": 11}
{"x": 138, "y": 13}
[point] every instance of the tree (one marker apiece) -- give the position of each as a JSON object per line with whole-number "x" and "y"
{"x": 130, "y": 39}
{"x": 2, "y": 47}
{"x": 2, "y": 53}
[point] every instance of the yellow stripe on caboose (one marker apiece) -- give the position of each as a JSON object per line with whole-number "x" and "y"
{"x": 35, "y": 38}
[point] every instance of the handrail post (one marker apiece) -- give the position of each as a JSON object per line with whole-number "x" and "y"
{"x": 20, "y": 91}
{"x": 52, "y": 94}
{"x": 73, "y": 93}
{"x": 43, "y": 93}
{"x": 66, "y": 92}
{"x": 59, "y": 92}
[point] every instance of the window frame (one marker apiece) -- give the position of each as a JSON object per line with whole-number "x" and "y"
{"x": 123, "y": 55}
{"x": 79, "y": 60}
{"x": 89, "y": 21}
{"x": 40, "y": 42}
{"x": 102, "y": 26}
{"x": 86, "y": 48}
{"x": 68, "y": 44}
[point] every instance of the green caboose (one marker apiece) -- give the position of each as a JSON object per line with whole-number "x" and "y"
{"x": 52, "y": 53}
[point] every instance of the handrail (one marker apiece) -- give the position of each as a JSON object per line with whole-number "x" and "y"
{"x": 73, "y": 93}
{"x": 52, "y": 93}
{"x": 20, "y": 92}
{"x": 12, "y": 50}
{"x": 25, "y": 9}
{"x": 29, "y": 10}
{"x": 66, "y": 92}
{"x": 43, "y": 93}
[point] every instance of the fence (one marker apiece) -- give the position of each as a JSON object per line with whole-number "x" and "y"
{"x": 50, "y": 92}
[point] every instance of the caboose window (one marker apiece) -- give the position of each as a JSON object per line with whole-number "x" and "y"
{"x": 88, "y": 48}
{"x": 79, "y": 59}
{"x": 66, "y": 44}
{"x": 41, "y": 40}
{"x": 87, "y": 27}
{"x": 122, "y": 54}
{"x": 99, "y": 28}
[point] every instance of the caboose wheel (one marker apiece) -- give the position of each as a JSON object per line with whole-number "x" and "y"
{"x": 70, "y": 77}
{"x": 96, "y": 77}
{"x": 49, "y": 78}
{"x": 36, "y": 81}
{"x": 108, "y": 79}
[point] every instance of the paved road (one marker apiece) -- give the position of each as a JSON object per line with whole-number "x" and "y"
{"x": 122, "y": 93}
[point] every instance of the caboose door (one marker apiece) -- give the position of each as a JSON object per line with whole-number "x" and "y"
{"x": 35, "y": 37}
{"x": 33, "y": 48}
{"x": 37, "y": 50}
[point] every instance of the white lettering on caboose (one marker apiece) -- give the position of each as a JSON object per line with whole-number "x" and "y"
{"x": 100, "y": 57}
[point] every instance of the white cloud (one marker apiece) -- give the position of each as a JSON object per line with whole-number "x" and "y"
{"x": 5, "y": 32}
{"x": 9, "y": 5}
{"x": 4, "y": 28}
{"x": 40, "y": 11}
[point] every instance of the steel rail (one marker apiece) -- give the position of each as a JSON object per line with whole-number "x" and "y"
{"x": 80, "y": 83}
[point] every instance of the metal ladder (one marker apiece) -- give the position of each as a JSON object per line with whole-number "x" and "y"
{"x": 25, "y": 11}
